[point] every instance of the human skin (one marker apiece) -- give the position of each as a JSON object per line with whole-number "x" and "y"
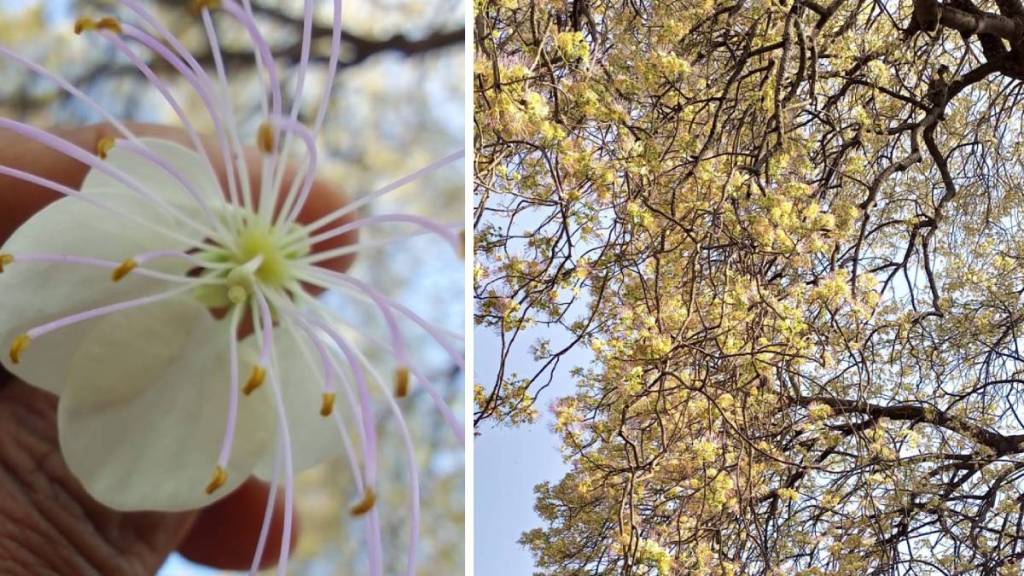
{"x": 48, "y": 524}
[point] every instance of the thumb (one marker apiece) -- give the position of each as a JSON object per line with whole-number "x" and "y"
{"x": 48, "y": 524}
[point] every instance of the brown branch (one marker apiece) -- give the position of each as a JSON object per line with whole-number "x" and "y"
{"x": 1001, "y": 444}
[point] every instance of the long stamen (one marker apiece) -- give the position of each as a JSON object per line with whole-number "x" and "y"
{"x": 201, "y": 77}
{"x": 292, "y": 204}
{"x": 331, "y": 371}
{"x": 123, "y": 267}
{"x": 368, "y": 498}
{"x": 21, "y": 342}
{"x": 262, "y": 51}
{"x": 357, "y": 203}
{"x": 232, "y": 417}
{"x": 361, "y": 246}
{"x": 197, "y": 143}
{"x": 414, "y": 498}
{"x": 69, "y": 88}
{"x": 72, "y": 193}
{"x": 183, "y": 180}
{"x": 265, "y": 334}
{"x": 398, "y": 349}
{"x": 321, "y": 277}
{"x": 300, "y": 85}
{"x": 265, "y": 61}
{"x": 203, "y": 90}
{"x": 332, "y": 68}
{"x": 241, "y": 162}
{"x": 369, "y": 431}
{"x": 268, "y": 512}
{"x": 70, "y": 150}
{"x": 436, "y": 228}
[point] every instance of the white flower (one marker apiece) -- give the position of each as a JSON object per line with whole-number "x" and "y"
{"x": 126, "y": 299}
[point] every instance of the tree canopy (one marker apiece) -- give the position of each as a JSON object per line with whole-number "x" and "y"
{"x": 788, "y": 231}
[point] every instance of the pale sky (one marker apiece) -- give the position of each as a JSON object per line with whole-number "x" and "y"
{"x": 509, "y": 462}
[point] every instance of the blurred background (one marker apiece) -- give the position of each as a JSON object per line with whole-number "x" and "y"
{"x": 398, "y": 105}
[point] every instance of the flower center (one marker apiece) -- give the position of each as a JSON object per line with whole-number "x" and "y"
{"x": 262, "y": 255}
{"x": 274, "y": 253}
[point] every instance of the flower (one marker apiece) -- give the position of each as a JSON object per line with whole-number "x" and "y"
{"x": 128, "y": 298}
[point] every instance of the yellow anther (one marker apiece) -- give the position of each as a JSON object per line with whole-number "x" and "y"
{"x": 197, "y": 6}
{"x": 327, "y": 405}
{"x": 19, "y": 345}
{"x": 255, "y": 380}
{"x": 366, "y": 504}
{"x": 110, "y": 24}
{"x": 462, "y": 244}
{"x": 85, "y": 24}
{"x": 123, "y": 270}
{"x": 104, "y": 146}
{"x": 265, "y": 138}
{"x": 6, "y": 260}
{"x": 220, "y": 476}
{"x": 402, "y": 382}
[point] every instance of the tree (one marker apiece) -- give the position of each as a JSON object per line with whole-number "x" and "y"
{"x": 788, "y": 233}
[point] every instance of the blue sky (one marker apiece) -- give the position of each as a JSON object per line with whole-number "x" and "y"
{"x": 509, "y": 462}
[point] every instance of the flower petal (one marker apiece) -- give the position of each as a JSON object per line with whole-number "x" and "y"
{"x": 142, "y": 418}
{"x": 34, "y": 293}
{"x": 315, "y": 438}
{"x": 157, "y": 181}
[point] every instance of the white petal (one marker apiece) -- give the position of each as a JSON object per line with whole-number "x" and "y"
{"x": 143, "y": 416}
{"x": 315, "y": 438}
{"x": 157, "y": 181}
{"x": 33, "y": 293}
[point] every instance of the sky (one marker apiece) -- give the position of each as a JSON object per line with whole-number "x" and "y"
{"x": 509, "y": 462}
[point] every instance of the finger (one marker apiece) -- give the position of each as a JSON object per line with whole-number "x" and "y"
{"x": 237, "y": 518}
{"x": 48, "y": 524}
{"x": 19, "y": 199}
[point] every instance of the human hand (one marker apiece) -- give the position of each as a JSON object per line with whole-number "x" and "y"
{"x": 48, "y": 523}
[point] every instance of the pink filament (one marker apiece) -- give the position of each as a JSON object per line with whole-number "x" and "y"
{"x": 177, "y": 175}
{"x": 200, "y": 77}
{"x": 400, "y": 183}
{"x": 332, "y": 68}
{"x": 232, "y": 418}
{"x": 229, "y": 110}
{"x": 103, "y": 311}
{"x": 291, "y": 205}
{"x": 201, "y": 90}
{"x": 434, "y": 227}
{"x": 165, "y": 92}
{"x": 377, "y": 296}
{"x": 72, "y": 193}
{"x": 69, "y": 88}
{"x": 414, "y": 483}
{"x": 330, "y": 371}
{"x": 262, "y": 51}
{"x": 268, "y": 513}
{"x": 398, "y": 348}
{"x": 265, "y": 330}
{"x": 369, "y": 430}
{"x": 101, "y": 263}
{"x": 70, "y": 150}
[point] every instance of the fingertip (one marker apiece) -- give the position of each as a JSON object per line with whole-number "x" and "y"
{"x": 226, "y": 533}
{"x": 323, "y": 200}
